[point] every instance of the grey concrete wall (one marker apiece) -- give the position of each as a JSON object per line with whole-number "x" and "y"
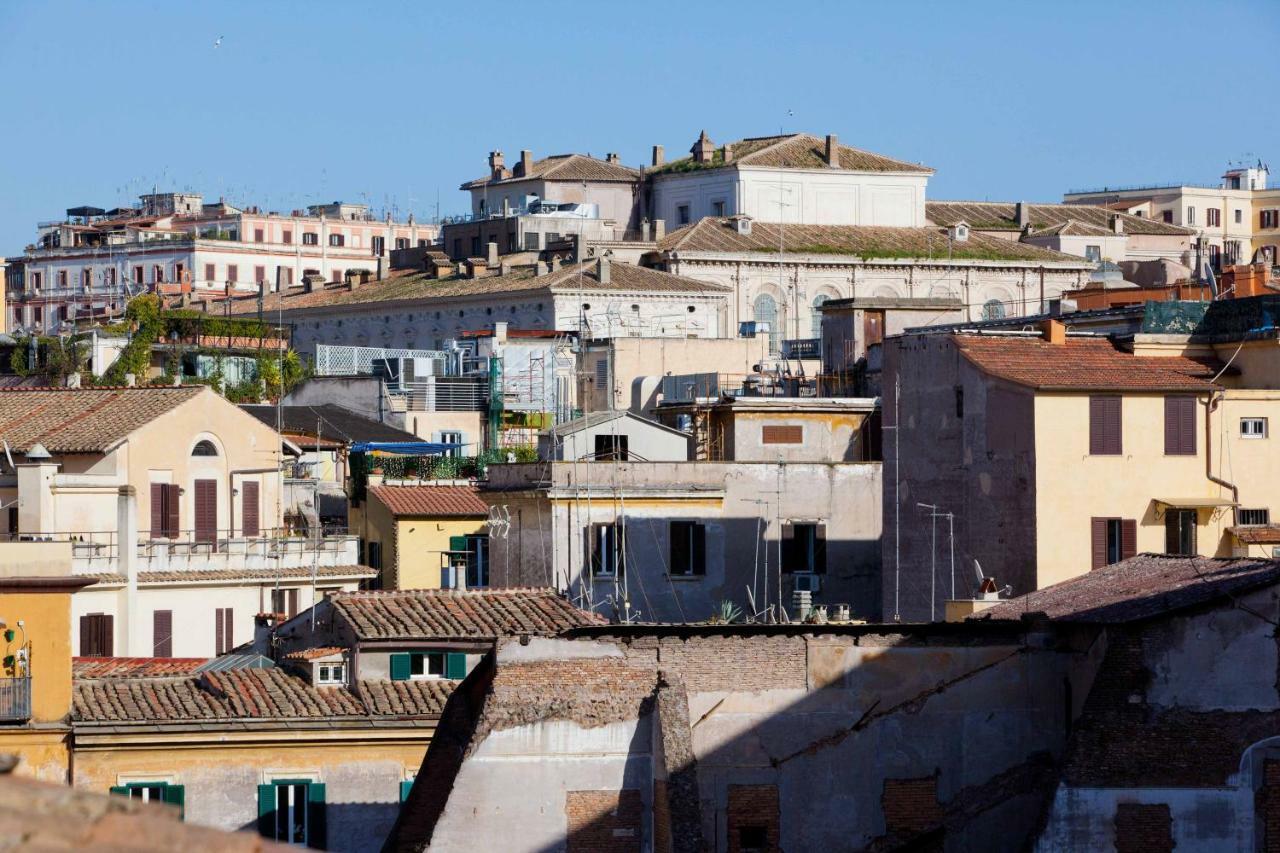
{"x": 979, "y": 465}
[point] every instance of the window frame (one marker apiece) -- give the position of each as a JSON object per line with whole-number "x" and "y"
{"x": 804, "y": 548}
{"x": 1099, "y": 411}
{"x": 331, "y": 674}
{"x": 1255, "y": 436}
{"x": 1180, "y": 431}
{"x": 607, "y": 539}
{"x": 687, "y": 540}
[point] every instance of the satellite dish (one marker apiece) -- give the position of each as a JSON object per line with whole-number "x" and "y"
{"x": 977, "y": 567}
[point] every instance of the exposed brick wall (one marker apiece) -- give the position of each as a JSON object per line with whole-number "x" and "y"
{"x": 1143, "y": 828}
{"x": 603, "y": 821}
{"x": 680, "y": 766}
{"x": 752, "y": 818}
{"x": 731, "y": 663}
{"x": 911, "y": 806}
{"x": 661, "y": 818}
{"x": 1268, "y": 806}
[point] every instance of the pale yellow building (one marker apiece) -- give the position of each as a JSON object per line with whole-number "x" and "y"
{"x": 425, "y": 536}
{"x": 1045, "y": 454}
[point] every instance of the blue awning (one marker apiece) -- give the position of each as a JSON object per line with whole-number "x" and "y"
{"x": 406, "y": 448}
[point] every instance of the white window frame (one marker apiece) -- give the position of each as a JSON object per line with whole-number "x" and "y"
{"x": 452, "y": 436}
{"x": 333, "y": 673}
{"x": 1253, "y": 436}
{"x": 426, "y": 674}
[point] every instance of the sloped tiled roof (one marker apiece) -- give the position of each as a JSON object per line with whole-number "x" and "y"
{"x": 472, "y": 614}
{"x": 436, "y": 501}
{"x": 419, "y": 288}
{"x": 1003, "y": 216}
{"x": 249, "y": 694}
{"x": 83, "y": 420}
{"x": 1073, "y": 228}
{"x": 331, "y": 421}
{"x": 294, "y": 572}
{"x": 1139, "y": 588}
{"x": 87, "y": 667}
{"x": 1082, "y": 364}
{"x": 794, "y": 151}
{"x": 865, "y": 241}
{"x": 315, "y": 653}
{"x": 1261, "y": 534}
{"x": 567, "y": 167}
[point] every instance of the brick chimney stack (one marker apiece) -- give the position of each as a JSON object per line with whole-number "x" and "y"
{"x": 612, "y": 157}
{"x": 526, "y": 163}
{"x": 833, "y": 151}
{"x": 1024, "y": 215}
{"x": 659, "y": 156}
{"x": 496, "y": 167}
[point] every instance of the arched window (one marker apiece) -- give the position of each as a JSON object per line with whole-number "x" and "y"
{"x": 817, "y": 314}
{"x": 993, "y": 309}
{"x": 766, "y": 311}
{"x": 204, "y": 448}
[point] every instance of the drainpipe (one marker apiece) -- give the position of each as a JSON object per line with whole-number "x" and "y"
{"x": 1216, "y": 397}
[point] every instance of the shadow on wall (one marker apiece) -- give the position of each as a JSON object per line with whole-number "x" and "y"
{"x": 351, "y": 827}
{"x": 905, "y": 743}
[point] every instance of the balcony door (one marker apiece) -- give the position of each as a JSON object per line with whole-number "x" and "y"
{"x": 206, "y": 511}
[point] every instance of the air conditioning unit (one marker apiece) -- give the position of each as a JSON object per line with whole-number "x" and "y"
{"x": 806, "y": 583}
{"x": 398, "y": 372}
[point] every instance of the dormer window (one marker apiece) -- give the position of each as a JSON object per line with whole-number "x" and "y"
{"x": 331, "y": 674}
{"x": 959, "y": 232}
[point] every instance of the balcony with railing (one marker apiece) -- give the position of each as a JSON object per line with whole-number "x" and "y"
{"x": 15, "y": 699}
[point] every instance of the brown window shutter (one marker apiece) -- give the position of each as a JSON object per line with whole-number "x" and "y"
{"x": 162, "y": 634}
{"x": 1170, "y": 426}
{"x": 172, "y": 518}
{"x": 107, "y": 638}
{"x": 1170, "y": 531}
{"x": 1188, "y": 420}
{"x": 1180, "y": 426}
{"x": 1128, "y": 538}
{"x": 206, "y": 510}
{"x": 219, "y": 641}
{"x": 157, "y": 510}
{"x": 228, "y": 628}
{"x": 249, "y": 508}
{"x": 1115, "y": 442}
{"x": 1098, "y": 539}
{"x": 1105, "y": 426}
{"x": 86, "y": 637}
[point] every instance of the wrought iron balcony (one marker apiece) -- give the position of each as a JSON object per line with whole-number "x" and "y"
{"x": 15, "y": 699}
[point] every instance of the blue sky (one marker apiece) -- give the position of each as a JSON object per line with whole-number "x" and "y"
{"x": 398, "y": 103}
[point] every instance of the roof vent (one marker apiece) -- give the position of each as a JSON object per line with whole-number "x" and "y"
{"x": 959, "y": 232}
{"x": 742, "y": 224}
{"x": 37, "y": 452}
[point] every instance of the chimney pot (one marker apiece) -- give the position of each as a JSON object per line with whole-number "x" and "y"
{"x": 1053, "y": 331}
{"x": 659, "y": 155}
{"x": 1117, "y": 223}
{"x": 1023, "y": 211}
{"x": 491, "y": 253}
{"x": 603, "y": 274}
{"x": 833, "y": 151}
{"x": 611, "y": 157}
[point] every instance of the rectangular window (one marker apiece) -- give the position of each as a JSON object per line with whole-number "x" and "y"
{"x": 1212, "y": 217}
{"x": 688, "y": 548}
{"x": 36, "y": 279}
{"x": 1105, "y": 426}
{"x": 210, "y": 272}
{"x": 285, "y": 601}
{"x": 610, "y": 448}
{"x": 1252, "y": 517}
{"x": 153, "y": 792}
{"x": 331, "y": 673}
{"x": 233, "y": 273}
{"x": 421, "y": 666}
{"x": 682, "y": 214}
{"x": 1191, "y": 216}
{"x": 1253, "y": 427}
{"x": 162, "y": 633}
{"x": 375, "y": 555}
{"x": 1180, "y": 532}
{"x": 249, "y": 493}
{"x": 310, "y": 238}
{"x": 293, "y": 811}
{"x": 401, "y": 242}
{"x": 164, "y": 510}
{"x": 377, "y": 245}
{"x": 1270, "y": 218}
{"x": 607, "y": 557}
{"x": 776, "y": 434}
{"x": 223, "y": 633}
{"x": 259, "y": 275}
{"x": 97, "y": 635}
{"x": 1180, "y": 426}
{"x": 717, "y": 208}
{"x": 206, "y": 511}
{"x": 1239, "y": 216}
{"x": 804, "y": 548}
{"x": 454, "y": 438}
{"x": 257, "y": 235}
{"x": 86, "y": 279}
{"x": 1093, "y": 253}
{"x": 1113, "y": 540}
{"x": 286, "y": 237}
{"x": 1167, "y": 216}
{"x": 336, "y": 240}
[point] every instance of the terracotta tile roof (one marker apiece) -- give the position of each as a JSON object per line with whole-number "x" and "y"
{"x": 301, "y": 572}
{"x": 1263, "y": 534}
{"x": 334, "y": 422}
{"x": 248, "y": 694}
{"x": 39, "y": 816}
{"x": 1139, "y": 588}
{"x": 86, "y": 667}
{"x": 794, "y": 151}
{"x": 1072, "y": 228}
{"x": 567, "y": 167}
{"x": 419, "y": 288}
{"x": 1003, "y": 216}
{"x": 314, "y": 653}
{"x": 1082, "y": 364}
{"x": 67, "y": 420}
{"x": 864, "y": 241}
{"x": 449, "y": 614}
{"x": 437, "y": 501}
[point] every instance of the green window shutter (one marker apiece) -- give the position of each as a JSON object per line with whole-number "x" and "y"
{"x": 400, "y": 667}
{"x": 405, "y": 788}
{"x": 455, "y": 665}
{"x": 457, "y": 543}
{"x": 122, "y": 790}
{"x": 267, "y": 811}
{"x": 176, "y": 795}
{"x": 317, "y": 831}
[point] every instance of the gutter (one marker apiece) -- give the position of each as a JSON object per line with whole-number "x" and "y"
{"x": 1216, "y": 397}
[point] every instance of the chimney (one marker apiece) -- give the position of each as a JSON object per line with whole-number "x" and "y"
{"x": 477, "y": 268}
{"x": 611, "y": 157}
{"x": 703, "y": 150}
{"x": 500, "y": 332}
{"x": 353, "y": 279}
{"x": 1117, "y": 223}
{"x": 602, "y": 271}
{"x": 526, "y": 163}
{"x": 833, "y": 151}
{"x": 491, "y": 254}
{"x": 728, "y": 152}
{"x": 540, "y": 268}
{"x": 130, "y": 380}
{"x": 1053, "y": 331}
{"x": 659, "y": 156}
{"x": 742, "y": 224}
{"x": 73, "y": 380}
{"x": 659, "y": 229}
{"x": 495, "y": 165}
{"x": 1023, "y": 212}
{"x": 504, "y": 268}
{"x": 555, "y": 262}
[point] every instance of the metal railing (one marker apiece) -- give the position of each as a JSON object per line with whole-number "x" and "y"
{"x": 15, "y": 699}
{"x": 802, "y": 348}
{"x": 334, "y": 360}
{"x": 446, "y": 394}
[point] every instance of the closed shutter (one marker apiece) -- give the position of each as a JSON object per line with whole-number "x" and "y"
{"x": 157, "y": 510}
{"x": 206, "y": 510}
{"x": 120, "y": 790}
{"x": 317, "y": 829}
{"x": 1105, "y": 426}
{"x": 1180, "y": 426}
{"x": 223, "y": 633}
{"x": 176, "y": 795}
{"x": 162, "y": 633}
{"x": 1170, "y": 531}
{"x": 455, "y": 665}
{"x": 173, "y": 523}
{"x": 106, "y": 635}
{"x": 400, "y": 667}
{"x": 1128, "y": 538}
{"x": 249, "y": 508}
{"x": 219, "y": 640}
{"x": 1098, "y": 542}
{"x": 267, "y": 811}
{"x": 405, "y": 788}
